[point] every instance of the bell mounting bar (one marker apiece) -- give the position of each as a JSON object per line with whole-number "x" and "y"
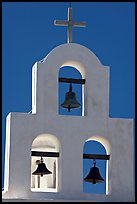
{"x": 44, "y": 154}
{"x": 74, "y": 81}
{"x": 96, "y": 156}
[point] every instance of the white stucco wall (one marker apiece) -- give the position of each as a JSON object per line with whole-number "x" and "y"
{"x": 24, "y": 128}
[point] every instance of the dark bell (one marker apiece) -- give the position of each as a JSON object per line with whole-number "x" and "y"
{"x": 94, "y": 176}
{"x": 42, "y": 169}
{"x": 70, "y": 100}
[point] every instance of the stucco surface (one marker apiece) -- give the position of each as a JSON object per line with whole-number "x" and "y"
{"x": 71, "y": 131}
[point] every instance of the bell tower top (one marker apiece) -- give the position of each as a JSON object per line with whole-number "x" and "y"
{"x": 70, "y": 24}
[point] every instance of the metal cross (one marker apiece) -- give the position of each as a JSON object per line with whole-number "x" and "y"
{"x": 70, "y": 24}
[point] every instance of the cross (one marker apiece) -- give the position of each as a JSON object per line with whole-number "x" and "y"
{"x": 70, "y": 24}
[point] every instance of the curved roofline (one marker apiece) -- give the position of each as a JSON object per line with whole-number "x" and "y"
{"x": 71, "y": 44}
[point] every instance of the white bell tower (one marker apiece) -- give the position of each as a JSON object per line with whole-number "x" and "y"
{"x": 45, "y": 132}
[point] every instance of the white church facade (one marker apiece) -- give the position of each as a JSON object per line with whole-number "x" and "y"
{"x": 61, "y": 138}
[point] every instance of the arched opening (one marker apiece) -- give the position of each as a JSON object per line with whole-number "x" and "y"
{"x": 47, "y": 147}
{"x": 76, "y": 98}
{"x": 96, "y": 146}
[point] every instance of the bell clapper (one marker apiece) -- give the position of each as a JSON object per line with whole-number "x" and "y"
{"x": 69, "y": 108}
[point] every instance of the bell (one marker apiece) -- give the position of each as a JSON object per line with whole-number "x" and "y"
{"x": 70, "y": 100}
{"x": 42, "y": 169}
{"x": 94, "y": 175}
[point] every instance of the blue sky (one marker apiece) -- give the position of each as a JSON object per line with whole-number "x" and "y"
{"x": 28, "y": 35}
